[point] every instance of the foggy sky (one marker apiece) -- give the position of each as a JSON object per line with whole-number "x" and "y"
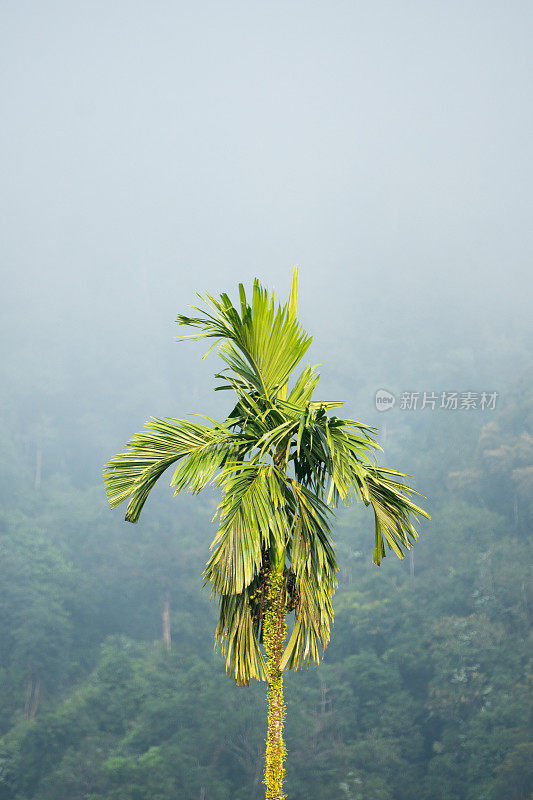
{"x": 149, "y": 150}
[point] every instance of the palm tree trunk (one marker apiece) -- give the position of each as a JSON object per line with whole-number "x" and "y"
{"x": 274, "y": 637}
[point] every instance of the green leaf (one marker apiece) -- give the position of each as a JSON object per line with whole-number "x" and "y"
{"x": 150, "y": 453}
{"x": 252, "y": 515}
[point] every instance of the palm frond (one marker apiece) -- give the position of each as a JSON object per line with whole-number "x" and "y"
{"x": 344, "y": 450}
{"x": 252, "y": 514}
{"x": 134, "y": 473}
{"x": 291, "y": 315}
{"x": 237, "y": 633}
{"x": 350, "y": 448}
{"x": 262, "y": 344}
{"x": 392, "y": 504}
{"x": 313, "y": 563}
{"x": 303, "y": 389}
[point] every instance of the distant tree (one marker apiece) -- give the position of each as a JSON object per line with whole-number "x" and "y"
{"x": 35, "y": 624}
{"x": 283, "y": 464}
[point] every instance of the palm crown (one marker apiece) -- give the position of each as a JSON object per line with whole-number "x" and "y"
{"x": 284, "y": 462}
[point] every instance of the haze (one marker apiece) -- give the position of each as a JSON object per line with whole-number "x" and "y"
{"x": 152, "y": 150}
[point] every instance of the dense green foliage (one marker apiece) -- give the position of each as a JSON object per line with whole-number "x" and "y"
{"x": 423, "y": 692}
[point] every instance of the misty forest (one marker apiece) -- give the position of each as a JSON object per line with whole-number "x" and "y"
{"x": 155, "y": 151}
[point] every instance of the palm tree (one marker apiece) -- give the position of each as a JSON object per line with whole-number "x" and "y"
{"x": 284, "y": 462}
